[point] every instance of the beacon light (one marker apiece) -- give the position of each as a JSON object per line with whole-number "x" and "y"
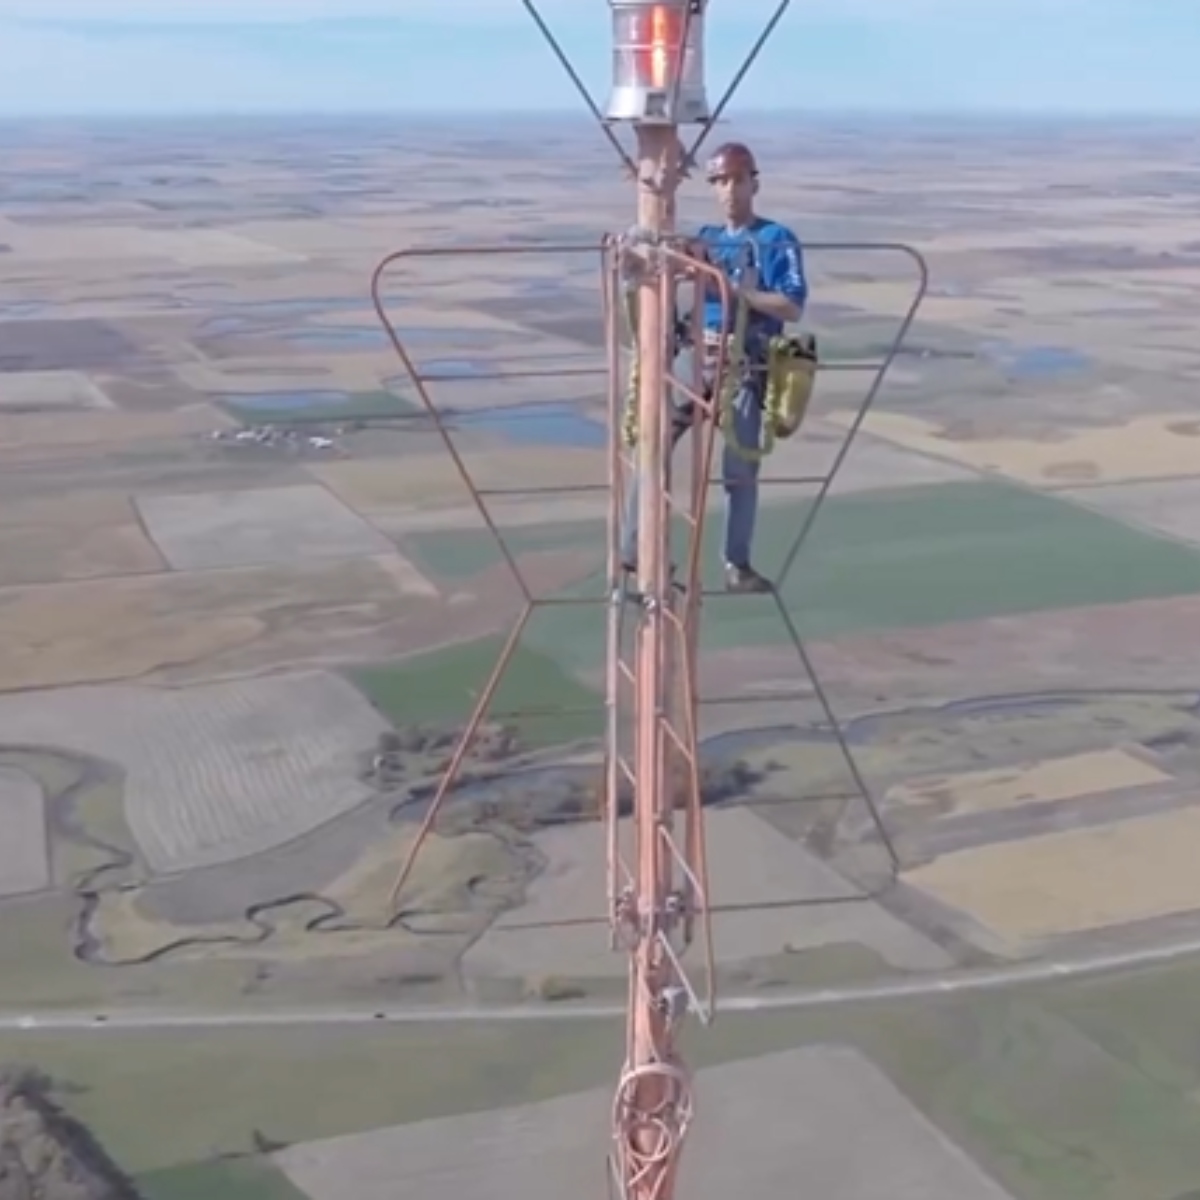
{"x": 658, "y": 62}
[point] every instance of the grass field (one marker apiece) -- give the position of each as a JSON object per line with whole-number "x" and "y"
{"x": 461, "y": 553}
{"x": 354, "y": 406}
{"x": 443, "y": 687}
{"x": 39, "y": 971}
{"x": 957, "y": 552}
{"x": 1083, "y": 1090}
{"x": 227, "y": 1179}
{"x": 913, "y": 557}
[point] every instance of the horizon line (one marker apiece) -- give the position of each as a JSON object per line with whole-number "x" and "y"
{"x": 969, "y": 115}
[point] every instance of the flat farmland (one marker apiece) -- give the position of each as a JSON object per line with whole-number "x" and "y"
{"x": 255, "y": 579}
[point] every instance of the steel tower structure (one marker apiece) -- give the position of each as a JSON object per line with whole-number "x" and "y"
{"x": 658, "y": 895}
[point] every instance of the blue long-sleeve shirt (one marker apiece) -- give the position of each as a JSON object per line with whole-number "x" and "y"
{"x": 777, "y": 254}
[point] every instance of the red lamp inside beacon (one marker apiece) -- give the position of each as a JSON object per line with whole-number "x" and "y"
{"x": 654, "y": 33}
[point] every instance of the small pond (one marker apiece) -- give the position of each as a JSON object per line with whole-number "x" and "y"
{"x": 1048, "y": 361}
{"x": 336, "y": 337}
{"x": 1036, "y": 362}
{"x": 538, "y": 425}
{"x": 290, "y": 308}
{"x": 453, "y": 368}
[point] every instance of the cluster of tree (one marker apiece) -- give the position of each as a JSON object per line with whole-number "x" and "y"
{"x": 46, "y": 1154}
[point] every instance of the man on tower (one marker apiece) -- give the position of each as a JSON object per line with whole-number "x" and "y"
{"x": 764, "y": 262}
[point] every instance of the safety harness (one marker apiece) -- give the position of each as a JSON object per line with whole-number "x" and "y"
{"x": 790, "y": 369}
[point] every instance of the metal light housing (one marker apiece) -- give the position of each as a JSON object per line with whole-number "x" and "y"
{"x": 658, "y": 62}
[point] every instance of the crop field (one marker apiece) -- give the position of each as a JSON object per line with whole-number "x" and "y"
{"x": 214, "y": 773}
{"x": 248, "y": 603}
{"x": 535, "y": 694}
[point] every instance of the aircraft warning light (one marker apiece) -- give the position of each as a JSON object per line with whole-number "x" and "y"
{"x": 658, "y": 62}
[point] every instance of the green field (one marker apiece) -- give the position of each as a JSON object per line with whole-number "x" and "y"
{"x": 460, "y": 553}
{"x": 39, "y": 972}
{"x": 913, "y": 557}
{"x": 536, "y": 694}
{"x": 355, "y": 406}
{"x": 959, "y": 552}
{"x": 227, "y": 1179}
{"x": 1078, "y": 1091}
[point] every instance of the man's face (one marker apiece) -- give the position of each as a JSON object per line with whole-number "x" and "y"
{"x": 734, "y": 191}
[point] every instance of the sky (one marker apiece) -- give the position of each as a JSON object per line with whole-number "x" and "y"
{"x": 165, "y": 57}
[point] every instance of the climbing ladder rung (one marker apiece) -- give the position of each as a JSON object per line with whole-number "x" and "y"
{"x": 626, "y": 672}
{"x": 684, "y": 865}
{"x": 626, "y": 770}
{"x": 680, "y": 511}
{"x": 677, "y": 739}
{"x": 701, "y": 1008}
{"x": 681, "y": 625}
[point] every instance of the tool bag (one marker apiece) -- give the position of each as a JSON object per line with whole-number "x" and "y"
{"x": 792, "y": 364}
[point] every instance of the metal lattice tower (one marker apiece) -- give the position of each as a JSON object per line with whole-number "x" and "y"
{"x": 659, "y": 904}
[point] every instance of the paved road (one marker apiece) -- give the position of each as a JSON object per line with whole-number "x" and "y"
{"x": 64, "y": 1021}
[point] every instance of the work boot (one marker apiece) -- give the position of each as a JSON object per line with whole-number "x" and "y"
{"x": 746, "y": 581}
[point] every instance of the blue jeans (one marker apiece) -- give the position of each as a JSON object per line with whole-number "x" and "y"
{"x": 740, "y": 476}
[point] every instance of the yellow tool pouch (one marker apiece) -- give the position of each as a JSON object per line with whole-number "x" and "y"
{"x": 792, "y": 364}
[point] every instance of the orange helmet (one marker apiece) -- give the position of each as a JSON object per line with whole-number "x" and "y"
{"x": 733, "y": 158}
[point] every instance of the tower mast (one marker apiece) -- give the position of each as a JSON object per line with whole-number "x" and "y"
{"x": 657, "y": 899}
{"x": 658, "y": 82}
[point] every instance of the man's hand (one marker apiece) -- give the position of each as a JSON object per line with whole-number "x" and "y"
{"x": 772, "y": 304}
{"x": 697, "y": 251}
